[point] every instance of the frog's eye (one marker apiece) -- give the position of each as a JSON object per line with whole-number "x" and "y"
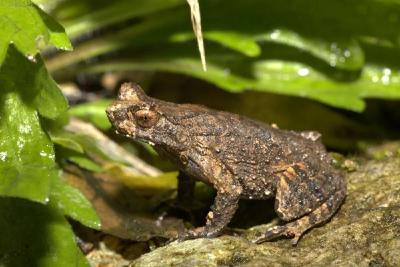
{"x": 146, "y": 118}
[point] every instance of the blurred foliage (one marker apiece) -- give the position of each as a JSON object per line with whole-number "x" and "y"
{"x": 33, "y": 196}
{"x": 93, "y": 112}
{"x": 328, "y": 51}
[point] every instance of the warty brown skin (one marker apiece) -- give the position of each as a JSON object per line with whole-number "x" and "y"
{"x": 240, "y": 157}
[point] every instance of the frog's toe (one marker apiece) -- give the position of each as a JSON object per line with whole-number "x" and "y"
{"x": 275, "y": 232}
{"x": 272, "y": 233}
{"x": 192, "y": 234}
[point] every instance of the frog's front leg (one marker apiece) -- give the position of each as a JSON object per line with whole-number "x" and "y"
{"x": 225, "y": 204}
{"x": 221, "y": 213}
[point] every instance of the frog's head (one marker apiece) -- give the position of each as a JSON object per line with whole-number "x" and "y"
{"x": 138, "y": 116}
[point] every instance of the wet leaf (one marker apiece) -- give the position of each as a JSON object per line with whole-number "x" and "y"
{"x": 27, "y": 158}
{"x": 28, "y": 28}
{"x": 271, "y": 75}
{"x": 32, "y": 80}
{"x": 70, "y": 202}
{"x": 343, "y": 54}
{"x": 36, "y": 235}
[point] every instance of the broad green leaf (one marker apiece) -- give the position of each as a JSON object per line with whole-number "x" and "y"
{"x": 93, "y": 112}
{"x": 36, "y": 235}
{"x": 70, "y": 202}
{"x": 343, "y": 54}
{"x": 26, "y": 153}
{"x": 26, "y": 26}
{"x": 37, "y": 87}
{"x": 49, "y": 101}
{"x": 231, "y": 71}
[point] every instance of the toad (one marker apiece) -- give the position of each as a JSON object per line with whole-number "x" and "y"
{"x": 241, "y": 158}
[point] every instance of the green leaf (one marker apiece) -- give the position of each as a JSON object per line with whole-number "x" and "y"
{"x": 66, "y": 140}
{"x": 236, "y": 41}
{"x": 93, "y": 112}
{"x": 86, "y": 163}
{"x": 237, "y": 73}
{"x": 63, "y": 139}
{"x": 28, "y": 28}
{"x": 139, "y": 34}
{"x": 79, "y": 158}
{"x": 26, "y": 153}
{"x": 91, "y": 147}
{"x": 71, "y": 202}
{"x": 239, "y": 42}
{"x": 36, "y": 235}
{"x": 49, "y": 101}
{"x": 37, "y": 87}
{"x": 344, "y": 54}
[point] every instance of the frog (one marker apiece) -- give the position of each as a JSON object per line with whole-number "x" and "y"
{"x": 240, "y": 157}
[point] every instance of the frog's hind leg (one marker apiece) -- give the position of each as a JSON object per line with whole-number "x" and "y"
{"x": 296, "y": 228}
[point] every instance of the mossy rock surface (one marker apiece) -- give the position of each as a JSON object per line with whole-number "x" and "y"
{"x": 365, "y": 232}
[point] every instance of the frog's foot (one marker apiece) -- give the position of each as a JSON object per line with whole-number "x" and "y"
{"x": 200, "y": 232}
{"x": 287, "y": 230}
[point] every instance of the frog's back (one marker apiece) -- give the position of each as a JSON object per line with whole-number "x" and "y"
{"x": 249, "y": 148}
{"x": 254, "y": 152}
{"x": 246, "y": 140}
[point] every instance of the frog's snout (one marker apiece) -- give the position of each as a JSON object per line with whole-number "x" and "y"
{"x": 119, "y": 118}
{"x": 115, "y": 114}
{"x": 110, "y": 111}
